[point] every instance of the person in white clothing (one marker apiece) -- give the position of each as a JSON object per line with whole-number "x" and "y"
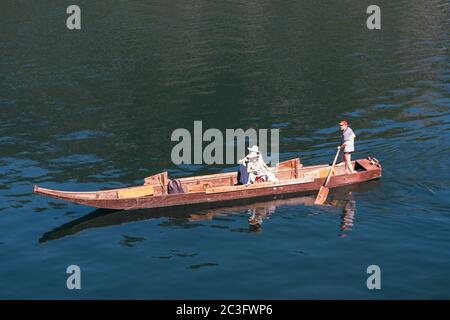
{"x": 256, "y": 167}
{"x": 347, "y": 145}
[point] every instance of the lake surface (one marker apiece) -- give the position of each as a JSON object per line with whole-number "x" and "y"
{"x": 95, "y": 108}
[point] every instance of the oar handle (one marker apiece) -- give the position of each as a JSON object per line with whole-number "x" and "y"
{"x": 332, "y": 166}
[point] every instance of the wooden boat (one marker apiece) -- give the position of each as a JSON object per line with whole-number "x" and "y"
{"x": 221, "y": 189}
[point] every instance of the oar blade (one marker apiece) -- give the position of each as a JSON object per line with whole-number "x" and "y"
{"x": 322, "y": 195}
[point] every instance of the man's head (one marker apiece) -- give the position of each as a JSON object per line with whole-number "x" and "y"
{"x": 254, "y": 153}
{"x": 343, "y": 125}
{"x": 253, "y": 156}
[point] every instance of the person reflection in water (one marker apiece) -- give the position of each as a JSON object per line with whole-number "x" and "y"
{"x": 257, "y": 216}
{"x": 348, "y": 215}
{"x": 258, "y": 213}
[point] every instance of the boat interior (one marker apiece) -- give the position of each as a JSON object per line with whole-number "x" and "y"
{"x": 291, "y": 171}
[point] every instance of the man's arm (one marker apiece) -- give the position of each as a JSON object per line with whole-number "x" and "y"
{"x": 243, "y": 161}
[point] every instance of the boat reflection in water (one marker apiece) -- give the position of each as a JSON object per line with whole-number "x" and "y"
{"x": 262, "y": 211}
{"x": 258, "y": 212}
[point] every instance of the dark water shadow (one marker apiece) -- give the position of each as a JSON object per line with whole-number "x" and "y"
{"x": 258, "y": 212}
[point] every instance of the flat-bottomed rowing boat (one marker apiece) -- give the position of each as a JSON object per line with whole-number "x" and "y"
{"x": 221, "y": 189}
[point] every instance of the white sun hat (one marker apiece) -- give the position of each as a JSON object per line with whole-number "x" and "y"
{"x": 253, "y": 149}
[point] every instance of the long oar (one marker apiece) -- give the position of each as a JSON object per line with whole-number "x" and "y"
{"x": 323, "y": 191}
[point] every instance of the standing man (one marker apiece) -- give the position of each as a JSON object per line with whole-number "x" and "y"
{"x": 348, "y": 145}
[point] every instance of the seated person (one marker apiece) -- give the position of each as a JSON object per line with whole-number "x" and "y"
{"x": 253, "y": 167}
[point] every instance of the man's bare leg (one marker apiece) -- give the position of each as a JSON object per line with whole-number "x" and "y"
{"x": 348, "y": 163}
{"x": 344, "y": 162}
